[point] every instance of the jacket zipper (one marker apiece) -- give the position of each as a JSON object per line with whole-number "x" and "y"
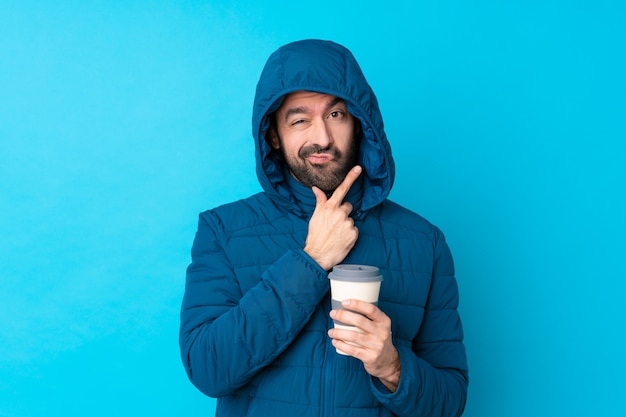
{"x": 327, "y": 378}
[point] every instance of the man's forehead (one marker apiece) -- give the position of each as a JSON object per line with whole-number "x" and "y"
{"x": 307, "y": 100}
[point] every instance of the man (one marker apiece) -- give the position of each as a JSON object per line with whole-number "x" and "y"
{"x": 256, "y": 321}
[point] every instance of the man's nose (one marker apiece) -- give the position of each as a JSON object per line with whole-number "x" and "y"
{"x": 322, "y": 135}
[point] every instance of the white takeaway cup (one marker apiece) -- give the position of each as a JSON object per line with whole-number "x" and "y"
{"x": 356, "y": 282}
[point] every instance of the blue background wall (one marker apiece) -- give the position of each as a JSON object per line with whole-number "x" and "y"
{"x": 120, "y": 121}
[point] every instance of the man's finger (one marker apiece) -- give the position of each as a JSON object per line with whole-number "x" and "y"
{"x": 364, "y": 308}
{"x": 342, "y": 190}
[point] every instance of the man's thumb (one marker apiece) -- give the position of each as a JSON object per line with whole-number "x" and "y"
{"x": 320, "y": 196}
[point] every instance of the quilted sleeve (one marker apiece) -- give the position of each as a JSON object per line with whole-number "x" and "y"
{"x": 226, "y": 337}
{"x": 434, "y": 374}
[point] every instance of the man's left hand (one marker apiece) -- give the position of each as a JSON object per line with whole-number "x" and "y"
{"x": 374, "y": 346}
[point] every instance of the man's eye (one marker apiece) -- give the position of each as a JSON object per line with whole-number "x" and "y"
{"x": 297, "y": 122}
{"x": 336, "y": 114}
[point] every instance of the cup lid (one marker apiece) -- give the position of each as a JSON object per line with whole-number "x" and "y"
{"x": 355, "y": 273}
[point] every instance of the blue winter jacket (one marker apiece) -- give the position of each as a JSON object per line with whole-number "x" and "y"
{"x": 254, "y": 317}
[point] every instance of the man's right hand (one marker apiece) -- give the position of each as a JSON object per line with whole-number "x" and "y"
{"x": 332, "y": 233}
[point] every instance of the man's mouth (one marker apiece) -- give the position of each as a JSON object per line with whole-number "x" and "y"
{"x": 316, "y": 155}
{"x": 319, "y": 158}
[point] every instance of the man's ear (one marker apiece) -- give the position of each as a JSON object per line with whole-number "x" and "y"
{"x": 272, "y": 138}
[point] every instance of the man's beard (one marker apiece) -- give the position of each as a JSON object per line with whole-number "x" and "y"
{"x": 327, "y": 176}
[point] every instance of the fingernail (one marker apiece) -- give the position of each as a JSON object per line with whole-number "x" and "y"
{"x": 357, "y": 169}
{"x": 332, "y": 313}
{"x": 345, "y": 303}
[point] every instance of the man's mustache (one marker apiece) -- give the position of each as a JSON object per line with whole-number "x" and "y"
{"x": 316, "y": 150}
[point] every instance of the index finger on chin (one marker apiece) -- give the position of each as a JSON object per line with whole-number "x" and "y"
{"x": 342, "y": 190}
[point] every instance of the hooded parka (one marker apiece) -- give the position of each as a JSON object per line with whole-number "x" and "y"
{"x": 255, "y": 313}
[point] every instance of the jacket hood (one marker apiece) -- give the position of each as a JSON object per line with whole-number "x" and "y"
{"x": 328, "y": 68}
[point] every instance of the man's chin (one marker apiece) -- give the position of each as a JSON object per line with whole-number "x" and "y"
{"x": 328, "y": 185}
{"x": 325, "y": 176}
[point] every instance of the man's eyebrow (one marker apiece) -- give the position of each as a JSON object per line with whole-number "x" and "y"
{"x": 296, "y": 110}
{"x": 334, "y": 102}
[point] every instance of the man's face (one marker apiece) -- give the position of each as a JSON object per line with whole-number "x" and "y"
{"x": 317, "y": 137}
